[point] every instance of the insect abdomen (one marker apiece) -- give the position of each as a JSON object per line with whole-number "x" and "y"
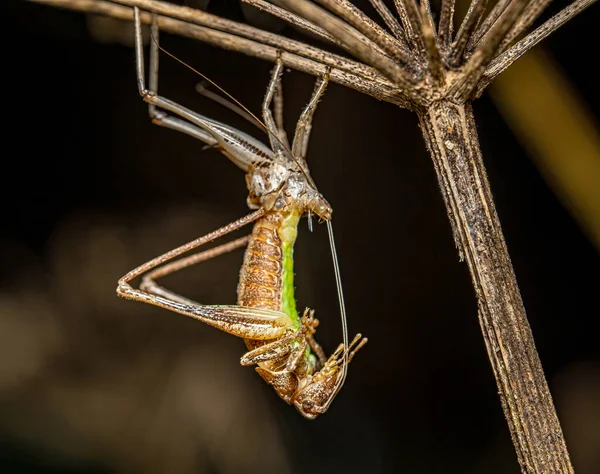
{"x": 262, "y": 271}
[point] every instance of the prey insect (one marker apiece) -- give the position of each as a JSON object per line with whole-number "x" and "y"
{"x": 280, "y": 342}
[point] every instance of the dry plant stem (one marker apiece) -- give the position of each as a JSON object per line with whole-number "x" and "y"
{"x": 353, "y": 16}
{"x": 375, "y": 85}
{"x": 362, "y": 46}
{"x": 502, "y": 62}
{"x": 293, "y": 19}
{"x": 446, "y": 25}
{"x": 451, "y": 137}
{"x": 434, "y": 58}
{"x": 483, "y": 55}
{"x": 390, "y": 21}
{"x": 470, "y": 22}
{"x": 488, "y": 22}
{"x": 414, "y": 18}
{"x": 530, "y": 14}
{"x": 221, "y": 24}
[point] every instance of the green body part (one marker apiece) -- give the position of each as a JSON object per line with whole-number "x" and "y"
{"x": 288, "y": 233}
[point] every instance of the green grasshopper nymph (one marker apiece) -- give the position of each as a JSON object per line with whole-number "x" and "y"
{"x": 280, "y": 342}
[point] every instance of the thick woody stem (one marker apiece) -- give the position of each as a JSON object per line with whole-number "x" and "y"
{"x": 451, "y": 137}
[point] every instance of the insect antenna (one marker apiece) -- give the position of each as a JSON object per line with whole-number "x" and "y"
{"x": 338, "y": 283}
{"x": 203, "y": 90}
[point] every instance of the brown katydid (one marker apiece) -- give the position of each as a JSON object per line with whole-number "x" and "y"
{"x": 280, "y": 342}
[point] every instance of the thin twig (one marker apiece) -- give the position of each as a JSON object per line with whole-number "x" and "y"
{"x": 470, "y": 22}
{"x": 293, "y": 19}
{"x": 201, "y": 18}
{"x": 502, "y": 62}
{"x": 426, "y": 15}
{"x": 356, "y": 18}
{"x": 530, "y": 14}
{"x": 412, "y": 36}
{"x": 434, "y": 59}
{"x": 446, "y": 24}
{"x": 412, "y": 22}
{"x": 390, "y": 20}
{"x": 489, "y": 21}
{"x": 484, "y": 53}
{"x": 380, "y": 88}
{"x": 361, "y": 45}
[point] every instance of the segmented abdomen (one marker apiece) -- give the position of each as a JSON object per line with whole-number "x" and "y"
{"x": 261, "y": 274}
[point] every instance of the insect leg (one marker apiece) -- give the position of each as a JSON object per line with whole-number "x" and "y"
{"x": 158, "y": 117}
{"x": 249, "y": 323}
{"x": 149, "y": 284}
{"x": 273, "y": 130}
{"x": 270, "y": 351}
{"x": 293, "y": 344}
{"x": 278, "y": 109}
{"x": 232, "y": 226}
{"x": 304, "y": 125}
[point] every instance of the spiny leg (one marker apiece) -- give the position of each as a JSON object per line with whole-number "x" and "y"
{"x": 313, "y": 323}
{"x": 317, "y": 349}
{"x": 159, "y": 117}
{"x": 149, "y": 284}
{"x": 304, "y": 125}
{"x": 272, "y": 128}
{"x": 242, "y": 149}
{"x": 170, "y": 255}
{"x": 249, "y": 323}
{"x": 278, "y": 110}
{"x": 271, "y": 350}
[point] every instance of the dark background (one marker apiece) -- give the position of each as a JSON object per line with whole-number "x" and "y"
{"x": 91, "y": 383}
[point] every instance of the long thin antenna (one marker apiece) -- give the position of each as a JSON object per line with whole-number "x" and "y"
{"x": 203, "y": 90}
{"x": 338, "y": 283}
{"x": 209, "y": 80}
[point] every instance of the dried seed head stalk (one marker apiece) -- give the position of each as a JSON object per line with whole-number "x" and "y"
{"x": 436, "y": 73}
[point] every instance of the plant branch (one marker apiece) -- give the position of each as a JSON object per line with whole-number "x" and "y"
{"x": 489, "y": 21}
{"x": 390, "y": 20}
{"x": 293, "y": 19}
{"x": 377, "y": 86}
{"x": 413, "y": 35}
{"x": 446, "y": 24}
{"x": 451, "y": 137}
{"x": 502, "y": 62}
{"x": 201, "y": 18}
{"x": 530, "y": 14}
{"x": 362, "y": 46}
{"x": 435, "y": 65}
{"x": 470, "y": 22}
{"x": 357, "y": 19}
{"x": 474, "y": 68}
{"x": 413, "y": 18}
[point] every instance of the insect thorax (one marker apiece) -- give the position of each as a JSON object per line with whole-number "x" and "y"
{"x": 278, "y": 187}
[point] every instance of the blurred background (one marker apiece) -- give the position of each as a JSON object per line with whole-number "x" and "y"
{"x": 90, "y": 383}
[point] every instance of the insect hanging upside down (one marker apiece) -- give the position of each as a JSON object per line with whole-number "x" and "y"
{"x": 280, "y": 342}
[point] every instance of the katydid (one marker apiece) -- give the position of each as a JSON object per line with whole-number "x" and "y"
{"x": 279, "y": 340}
